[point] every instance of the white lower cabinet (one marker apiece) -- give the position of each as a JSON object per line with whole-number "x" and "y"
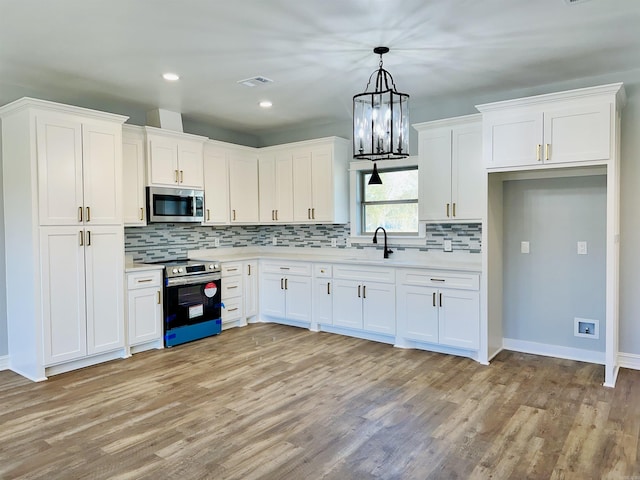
{"x": 429, "y": 312}
{"x": 322, "y": 295}
{"x": 144, "y": 308}
{"x": 232, "y": 294}
{"x": 250, "y": 274}
{"x": 285, "y": 292}
{"x": 362, "y": 303}
{"x": 82, "y": 291}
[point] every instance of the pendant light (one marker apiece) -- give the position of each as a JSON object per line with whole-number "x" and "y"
{"x": 380, "y": 120}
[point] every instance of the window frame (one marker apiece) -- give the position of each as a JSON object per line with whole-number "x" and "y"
{"x": 363, "y": 203}
{"x": 356, "y": 195}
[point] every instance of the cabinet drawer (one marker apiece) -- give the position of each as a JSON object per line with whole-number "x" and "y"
{"x": 358, "y": 272}
{"x": 287, "y": 268}
{"x": 465, "y": 281}
{"x": 323, "y": 271}
{"x": 231, "y": 287}
{"x": 232, "y": 310}
{"x": 230, "y": 269}
{"x": 144, "y": 279}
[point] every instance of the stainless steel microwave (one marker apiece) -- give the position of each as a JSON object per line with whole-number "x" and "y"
{"x": 166, "y": 204}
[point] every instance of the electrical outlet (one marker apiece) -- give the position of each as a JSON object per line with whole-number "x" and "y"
{"x": 448, "y": 247}
{"x": 216, "y": 242}
{"x": 334, "y": 242}
{"x": 274, "y": 241}
{"x": 524, "y": 247}
{"x": 348, "y": 243}
{"x": 582, "y": 248}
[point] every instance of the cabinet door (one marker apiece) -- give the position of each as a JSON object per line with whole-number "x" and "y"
{"x": 163, "y": 162}
{"x": 284, "y": 187}
{"x": 267, "y": 187}
{"x": 467, "y": 173}
{"x": 578, "y": 134}
{"x": 379, "y": 307}
{"x": 243, "y": 187}
{"x": 435, "y": 175}
{"x": 302, "y": 196}
{"x": 459, "y": 318}
{"x": 298, "y": 298}
{"x": 347, "y": 304}
{"x": 190, "y": 164}
{"x": 323, "y": 301}
{"x": 104, "y": 257}
{"x": 216, "y": 186}
{"x": 251, "y": 289}
{"x": 144, "y": 314}
{"x": 59, "y": 144}
{"x": 322, "y": 184}
{"x": 272, "y": 299}
{"x": 63, "y": 294}
{"x": 511, "y": 140}
{"x": 102, "y": 174}
{"x": 417, "y": 313}
{"x": 133, "y": 187}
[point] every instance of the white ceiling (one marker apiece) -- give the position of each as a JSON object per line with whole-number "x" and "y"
{"x": 318, "y": 52}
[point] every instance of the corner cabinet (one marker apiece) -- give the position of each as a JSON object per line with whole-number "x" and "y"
{"x": 451, "y": 172}
{"x": 134, "y": 208}
{"x": 549, "y": 130}
{"x": 62, "y": 169}
{"x": 243, "y": 186}
{"x": 174, "y": 159}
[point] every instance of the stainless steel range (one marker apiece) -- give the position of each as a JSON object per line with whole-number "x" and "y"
{"x": 192, "y": 301}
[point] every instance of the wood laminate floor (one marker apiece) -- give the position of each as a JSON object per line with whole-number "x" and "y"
{"x": 275, "y": 402}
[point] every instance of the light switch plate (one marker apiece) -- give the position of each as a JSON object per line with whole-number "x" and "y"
{"x": 524, "y": 247}
{"x": 216, "y": 242}
{"x": 274, "y": 240}
{"x": 334, "y": 242}
{"x": 448, "y": 247}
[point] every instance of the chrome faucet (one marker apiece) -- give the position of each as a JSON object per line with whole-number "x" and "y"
{"x": 387, "y": 251}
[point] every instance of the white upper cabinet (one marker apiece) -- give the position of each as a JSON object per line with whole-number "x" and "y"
{"x": 276, "y": 186}
{"x": 216, "y": 184}
{"x": 133, "y": 187}
{"x": 320, "y": 181}
{"x": 557, "y": 129}
{"x": 174, "y": 159}
{"x": 243, "y": 186}
{"x": 79, "y": 169}
{"x": 451, "y": 169}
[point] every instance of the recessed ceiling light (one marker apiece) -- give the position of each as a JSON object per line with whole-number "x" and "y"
{"x": 266, "y": 104}
{"x": 171, "y": 77}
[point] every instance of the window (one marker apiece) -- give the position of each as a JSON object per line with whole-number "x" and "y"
{"x": 392, "y": 205}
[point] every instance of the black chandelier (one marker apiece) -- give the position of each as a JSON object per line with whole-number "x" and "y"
{"x": 380, "y": 120}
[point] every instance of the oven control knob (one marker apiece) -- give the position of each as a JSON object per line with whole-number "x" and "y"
{"x": 175, "y": 270}
{"x": 211, "y": 266}
{"x": 180, "y": 270}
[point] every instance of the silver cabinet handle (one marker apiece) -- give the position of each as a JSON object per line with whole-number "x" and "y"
{"x": 176, "y": 175}
{"x": 181, "y": 176}
{"x": 145, "y": 280}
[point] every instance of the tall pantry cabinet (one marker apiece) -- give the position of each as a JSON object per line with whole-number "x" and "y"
{"x": 62, "y": 187}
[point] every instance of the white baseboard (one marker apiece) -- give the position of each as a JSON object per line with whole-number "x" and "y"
{"x": 4, "y": 363}
{"x": 557, "y": 351}
{"x": 629, "y": 360}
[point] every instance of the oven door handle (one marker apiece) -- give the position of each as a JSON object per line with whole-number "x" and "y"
{"x": 192, "y": 280}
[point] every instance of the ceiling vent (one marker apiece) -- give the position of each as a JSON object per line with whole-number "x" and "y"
{"x": 255, "y": 81}
{"x": 573, "y": 2}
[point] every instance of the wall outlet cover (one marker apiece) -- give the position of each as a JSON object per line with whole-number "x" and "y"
{"x": 216, "y": 242}
{"x": 274, "y": 241}
{"x": 582, "y": 248}
{"x": 586, "y": 328}
{"x": 334, "y": 242}
{"x": 448, "y": 246}
{"x": 524, "y": 247}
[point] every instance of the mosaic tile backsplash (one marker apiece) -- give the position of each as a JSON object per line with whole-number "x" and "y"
{"x": 164, "y": 241}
